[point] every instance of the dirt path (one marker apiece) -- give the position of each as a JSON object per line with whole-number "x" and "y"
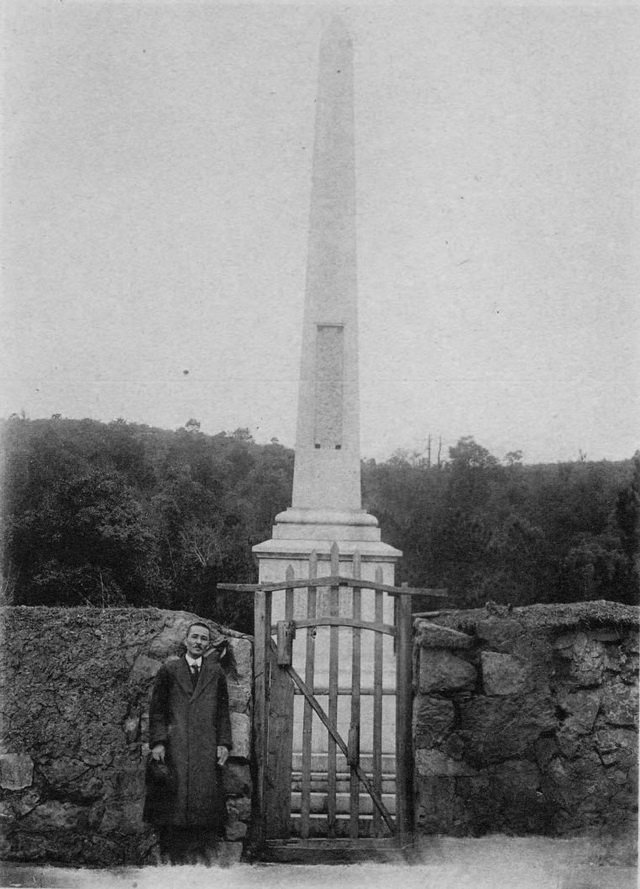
{"x": 444, "y": 863}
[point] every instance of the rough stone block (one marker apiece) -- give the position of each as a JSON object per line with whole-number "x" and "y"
{"x": 434, "y": 763}
{"x": 439, "y": 809}
{"x": 442, "y": 671}
{"x": 242, "y": 652}
{"x": 52, "y": 815}
{"x": 588, "y": 663}
{"x": 240, "y": 735}
{"x": 513, "y": 801}
{"x": 239, "y": 808}
{"x": 632, "y": 642}
{"x": 629, "y": 668}
{"x": 503, "y": 674}
{"x": 121, "y": 816}
{"x": 64, "y": 773}
{"x": 618, "y": 746}
{"x": 563, "y": 644}
{"x": 499, "y": 633}
{"x": 237, "y": 779}
{"x": 496, "y": 729}
{"x": 519, "y": 776}
{"x": 431, "y": 635}
{"x": 546, "y": 747}
{"x": 570, "y": 743}
{"x": 582, "y": 707}
{"x": 168, "y": 641}
{"x": 580, "y": 785}
{"x": 606, "y": 635}
{"x": 236, "y": 830}
{"x": 23, "y": 803}
{"x": 433, "y": 720}
{"x": 16, "y": 771}
{"x": 144, "y": 668}
{"x": 239, "y": 695}
{"x": 620, "y": 704}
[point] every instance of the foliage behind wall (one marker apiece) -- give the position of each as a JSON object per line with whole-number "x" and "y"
{"x": 508, "y": 532}
{"x": 125, "y": 514}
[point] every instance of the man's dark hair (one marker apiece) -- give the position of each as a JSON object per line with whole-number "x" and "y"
{"x": 198, "y": 623}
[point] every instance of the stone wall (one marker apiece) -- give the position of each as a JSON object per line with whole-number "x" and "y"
{"x": 76, "y": 690}
{"x": 526, "y": 720}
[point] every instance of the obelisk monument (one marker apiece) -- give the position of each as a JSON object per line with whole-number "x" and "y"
{"x": 327, "y": 504}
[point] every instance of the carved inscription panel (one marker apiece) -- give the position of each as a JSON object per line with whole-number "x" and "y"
{"x": 329, "y": 386}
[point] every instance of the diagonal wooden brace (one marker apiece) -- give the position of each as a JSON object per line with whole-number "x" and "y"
{"x": 377, "y": 799}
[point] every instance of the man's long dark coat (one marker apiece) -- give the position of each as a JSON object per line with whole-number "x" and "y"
{"x": 191, "y": 724}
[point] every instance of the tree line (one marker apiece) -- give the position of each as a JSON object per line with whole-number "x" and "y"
{"x": 126, "y": 514}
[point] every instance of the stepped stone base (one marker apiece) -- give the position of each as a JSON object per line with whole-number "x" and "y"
{"x": 369, "y": 822}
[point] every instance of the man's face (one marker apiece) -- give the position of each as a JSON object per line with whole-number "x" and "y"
{"x": 197, "y": 641}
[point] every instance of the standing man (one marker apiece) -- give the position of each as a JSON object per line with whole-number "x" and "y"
{"x": 190, "y": 738}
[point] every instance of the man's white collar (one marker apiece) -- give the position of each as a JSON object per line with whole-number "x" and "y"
{"x": 193, "y": 662}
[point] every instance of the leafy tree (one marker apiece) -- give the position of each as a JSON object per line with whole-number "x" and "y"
{"x": 125, "y": 513}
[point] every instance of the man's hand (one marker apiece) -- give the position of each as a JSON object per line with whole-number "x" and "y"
{"x": 158, "y": 752}
{"x": 223, "y": 755}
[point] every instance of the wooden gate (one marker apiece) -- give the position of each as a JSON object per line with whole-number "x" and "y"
{"x": 341, "y": 802}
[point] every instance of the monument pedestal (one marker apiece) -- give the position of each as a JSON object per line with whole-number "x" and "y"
{"x": 296, "y": 535}
{"x": 299, "y": 532}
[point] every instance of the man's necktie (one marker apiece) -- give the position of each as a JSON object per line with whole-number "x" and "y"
{"x": 195, "y": 672}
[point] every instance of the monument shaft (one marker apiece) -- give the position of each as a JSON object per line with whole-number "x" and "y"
{"x": 327, "y": 465}
{"x": 327, "y": 503}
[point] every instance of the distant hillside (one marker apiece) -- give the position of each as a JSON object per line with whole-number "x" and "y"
{"x": 121, "y": 513}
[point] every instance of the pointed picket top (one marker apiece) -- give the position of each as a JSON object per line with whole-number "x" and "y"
{"x": 289, "y": 575}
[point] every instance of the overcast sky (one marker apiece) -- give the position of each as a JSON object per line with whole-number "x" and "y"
{"x": 157, "y": 171}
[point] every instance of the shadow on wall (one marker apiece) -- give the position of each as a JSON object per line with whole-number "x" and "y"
{"x": 76, "y": 689}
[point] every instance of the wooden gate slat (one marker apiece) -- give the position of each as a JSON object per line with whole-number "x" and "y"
{"x": 307, "y": 718}
{"x": 377, "y": 700}
{"x": 354, "y": 821}
{"x": 334, "y": 733}
{"x": 288, "y": 600}
{"x": 278, "y": 784}
{"x": 333, "y": 695}
{"x": 333, "y": 580}
{"x": 385, "y": 629}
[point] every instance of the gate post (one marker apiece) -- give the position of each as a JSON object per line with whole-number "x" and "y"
{"x": 404, "y": 702}
{"x": 261, "y": 667}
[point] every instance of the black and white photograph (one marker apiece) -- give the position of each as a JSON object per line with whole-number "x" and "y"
{"x": 320, "y": 437}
